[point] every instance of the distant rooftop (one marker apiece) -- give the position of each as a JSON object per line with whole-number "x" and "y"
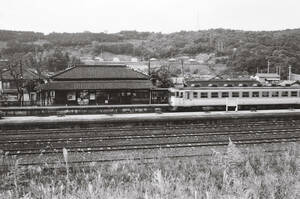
{"x": 269, "y": 75}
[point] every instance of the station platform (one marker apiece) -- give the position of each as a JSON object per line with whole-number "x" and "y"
{"x": 83, "y": 110}
{"x": 140, "y": 117}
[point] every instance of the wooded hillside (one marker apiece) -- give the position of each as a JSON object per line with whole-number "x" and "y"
{"x": 247, "y": 50}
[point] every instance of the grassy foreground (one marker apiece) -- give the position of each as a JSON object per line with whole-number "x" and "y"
{"x": 250, "y": 175}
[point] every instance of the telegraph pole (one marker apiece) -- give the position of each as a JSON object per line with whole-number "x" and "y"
{"x": 149, "y": 67}
{"x": 290, "y": 72}
{"x": 182, "y": 68}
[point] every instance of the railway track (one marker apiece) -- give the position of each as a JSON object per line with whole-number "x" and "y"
{"x": 112, "y": 130}
{"x": 51, "y": 141}
{"x": 4, "y": 141}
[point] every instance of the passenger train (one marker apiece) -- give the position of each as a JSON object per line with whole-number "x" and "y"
{"x": 224, "y": 98}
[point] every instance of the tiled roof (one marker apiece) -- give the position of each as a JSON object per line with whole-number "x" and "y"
{"x": 99, "y": 72}
{"x": 98, "y": 85}
{"x": 221, "y": 83}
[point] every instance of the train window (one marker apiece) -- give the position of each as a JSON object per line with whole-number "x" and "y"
{"x": 284, "y": 94}
{"x": 235, "y": 94}
{"x": 294, "y": 94}
{"x": 275, "y": 94}
{"x": 245, "y": 94}
{"x": 172, "y": 94}
{"x": 195, "y": 95}
{"x": 214, "y": 95}
{"x": 255, "y": 94}
{"x": 177, "y": 94}
{"x": 265, "y": 94}
{"x": 181, "y": 94}
{"x": 204, "y": 95}
{"x": 225, "y": 94}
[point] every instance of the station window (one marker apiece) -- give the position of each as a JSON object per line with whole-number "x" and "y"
{"x": 204, "y": 95}
{"x": 181, "y": 94}
{"x": 245, "y": 94}
{"x": 6, "y": 85}
{"x": 294, "y": 94}
{"x": 225, "y": 94}
{"x": 195, "y": 95}
{"x": 275, "y": 94}
{"x": 265, "y": 94}
{"x": 235, "y": 94}
{"x": 284, "y": 94}
{"x": 255, "y": 94}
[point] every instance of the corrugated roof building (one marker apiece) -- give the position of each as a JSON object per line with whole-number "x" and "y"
{"x": 267, "y": 78}
{"x": 97, "y": 84}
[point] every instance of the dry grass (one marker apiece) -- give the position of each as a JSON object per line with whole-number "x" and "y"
{"x": 234, "y": 175}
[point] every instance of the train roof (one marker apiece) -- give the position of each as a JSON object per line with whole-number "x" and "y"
{"x": 221, "y": 83}
{"x": 236, "y": 88}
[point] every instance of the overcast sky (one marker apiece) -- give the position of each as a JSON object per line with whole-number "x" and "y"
{"x": 147, "y": 15}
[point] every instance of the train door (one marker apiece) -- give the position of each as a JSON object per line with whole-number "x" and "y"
{"x": 187, "y": 94}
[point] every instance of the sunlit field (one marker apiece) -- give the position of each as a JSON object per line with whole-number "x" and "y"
{"x": 226, "y": 174}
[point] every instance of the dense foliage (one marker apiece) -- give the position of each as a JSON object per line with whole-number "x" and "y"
{"x": 247, "y": 50}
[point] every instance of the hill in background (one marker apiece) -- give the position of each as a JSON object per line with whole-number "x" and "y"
{"x": 241, "y": 50}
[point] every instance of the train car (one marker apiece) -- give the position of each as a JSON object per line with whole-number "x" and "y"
{"x": 222, "y": 98}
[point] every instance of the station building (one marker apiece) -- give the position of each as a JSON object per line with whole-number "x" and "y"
{"x": 97, "y": 85}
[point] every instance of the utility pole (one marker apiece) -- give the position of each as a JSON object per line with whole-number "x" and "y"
{"x": 21, "y": 83}
{"x": 149, "y": 66}
{"x": 268, "y": 66}
{"x": 182, "y": 68}
{"x": 290, "y": 72}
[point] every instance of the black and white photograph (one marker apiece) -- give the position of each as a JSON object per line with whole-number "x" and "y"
{"x": 149, "y": 99}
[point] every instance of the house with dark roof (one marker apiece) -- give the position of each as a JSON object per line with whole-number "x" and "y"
{"x": 19, "y": 89}
{"x": 97, "y": 85}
